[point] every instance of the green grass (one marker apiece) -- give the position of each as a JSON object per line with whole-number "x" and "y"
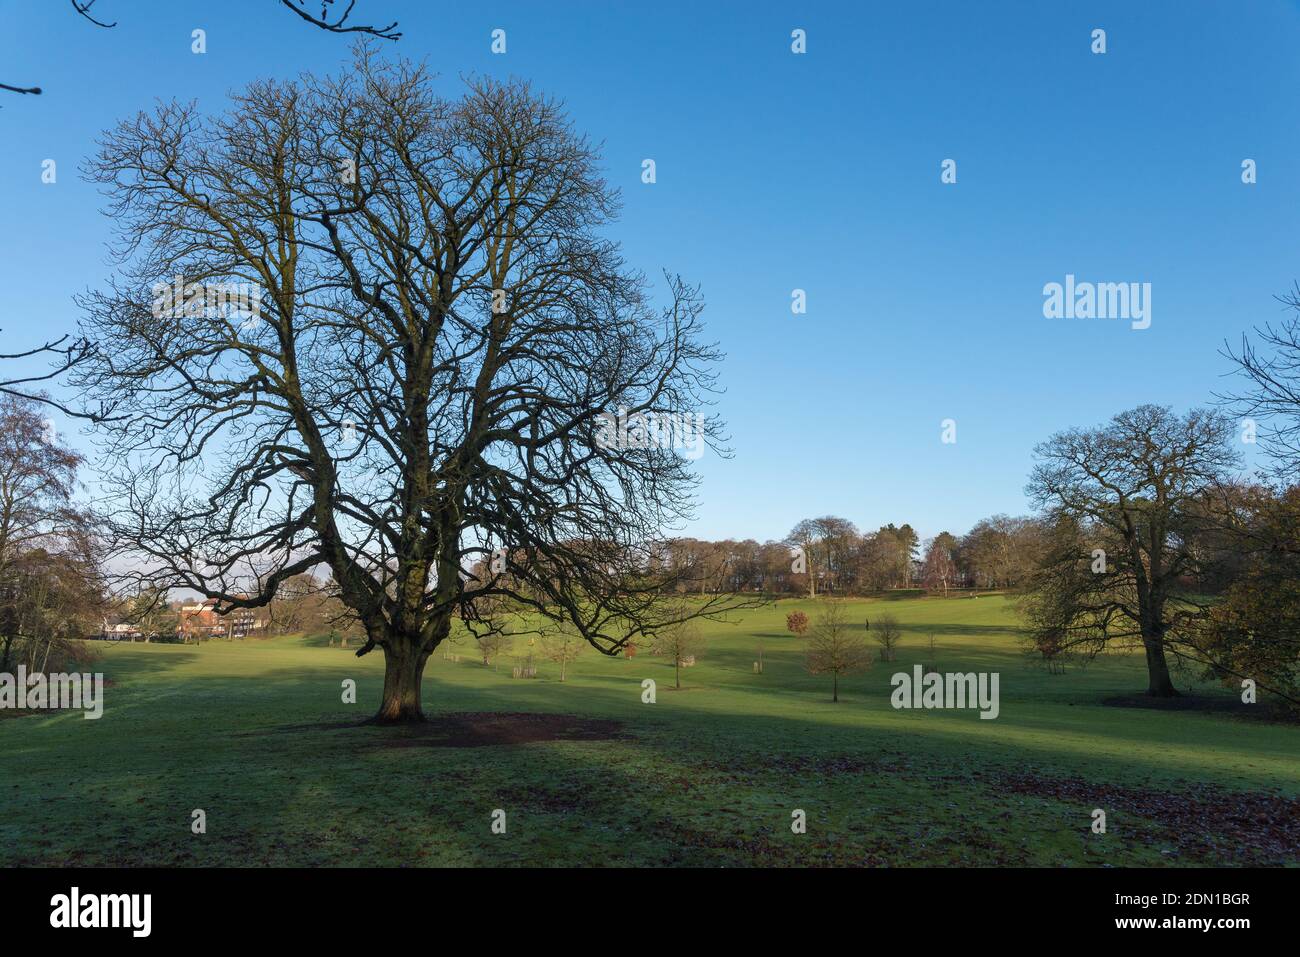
{"x": 255, "y": 734}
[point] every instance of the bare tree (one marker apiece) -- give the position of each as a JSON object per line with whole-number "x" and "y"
{"x": 823, "y": 545}
{"x": 300, "y": 605}
{"x": 561, "y": 646}
{"x": 1000, "y": 551}
{"x": 1127, "y": 501}
{"x": 50, "y": 600}
{"x": 940, "y": 571}
{"x": 37, "y": 479}
{"x": 422, "y": 401}
{"x": 493, "y": 646}
{"x": 680, "y": 641}
{"x": 835, "y": 648}
{"x": 887, "y": 634}
{"x": 49, "y": 580}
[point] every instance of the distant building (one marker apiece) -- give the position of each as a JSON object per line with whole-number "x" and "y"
{"x": 118, "y": 632}
{"x": 200, "y": 620}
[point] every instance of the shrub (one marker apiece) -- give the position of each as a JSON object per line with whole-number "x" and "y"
{"x": 887, "y": 634}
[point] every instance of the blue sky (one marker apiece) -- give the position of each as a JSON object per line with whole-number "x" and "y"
{"x": 818, "y": 171}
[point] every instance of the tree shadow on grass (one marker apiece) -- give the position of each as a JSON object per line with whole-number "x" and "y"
{"x": 470, "y": 729}
{"x": 681, "y": 783}
{"x": 1224, "y": 703}
{"x": 958, "y": 628}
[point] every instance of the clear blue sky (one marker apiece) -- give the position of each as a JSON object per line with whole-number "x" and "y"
{"x": 821, "y": 172}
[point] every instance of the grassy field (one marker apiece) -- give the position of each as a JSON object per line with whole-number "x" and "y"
{"x": 255, "y": 734}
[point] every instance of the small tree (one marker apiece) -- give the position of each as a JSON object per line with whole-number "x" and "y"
{"x": 931, "y": 664}
{"x": 1047, "y": 645}
{"x": 834, "y": 649}
{"x": 887, "y": 634}
{"x": 562, "y": 647}
{"x": 796, "y": 622}
{"x": 679, "y": 641}
{"x": 493, "y": 646}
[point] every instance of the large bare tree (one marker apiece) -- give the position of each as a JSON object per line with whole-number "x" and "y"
{"x": 1127, "y": 503}
{"x": 423, "y": 402}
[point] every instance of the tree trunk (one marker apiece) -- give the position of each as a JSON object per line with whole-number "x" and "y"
{"x": 403, "y": 671}
{"x": 1159, "y": 684}
{"x": 677, "y": 669}
{"x": 835, "y": 688}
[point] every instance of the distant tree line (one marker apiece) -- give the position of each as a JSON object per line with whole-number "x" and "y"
{"x": 830, "y": 556}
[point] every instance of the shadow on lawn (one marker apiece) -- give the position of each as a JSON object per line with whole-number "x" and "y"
{"x": 674, "y": 783}
{"x": 909, "y": 629}
{"x": 950, "y": 628}
{"x": 471, "y": 729}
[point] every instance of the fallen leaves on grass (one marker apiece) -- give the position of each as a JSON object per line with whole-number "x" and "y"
{"x": 1254, "y": 828}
